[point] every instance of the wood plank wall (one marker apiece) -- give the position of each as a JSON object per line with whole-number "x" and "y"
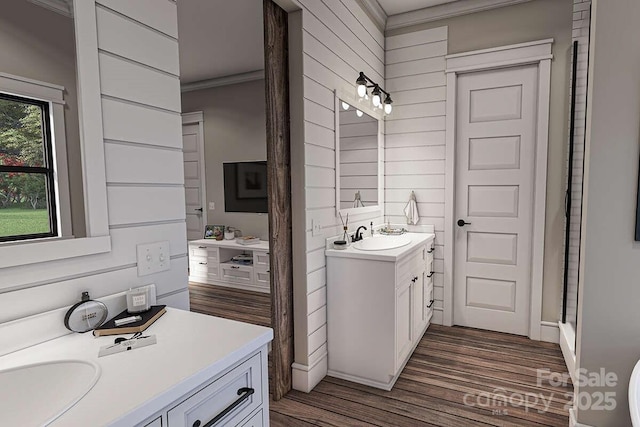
{"x": 143, "y": 148}
{"x": 580, "y": 33}
{"x": 338, "y": 41}
{"x": 415, "y": 135}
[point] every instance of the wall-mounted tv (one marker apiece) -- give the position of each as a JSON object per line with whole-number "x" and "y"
{"x": 245, "y": 187}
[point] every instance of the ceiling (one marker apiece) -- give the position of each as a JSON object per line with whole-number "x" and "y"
{"x": 393, "y": 7}
{"x": 219, "y": 38}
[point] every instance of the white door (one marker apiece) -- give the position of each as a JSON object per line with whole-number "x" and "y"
{"x": 194, "y": 179}
{"x": 495, "y": 148}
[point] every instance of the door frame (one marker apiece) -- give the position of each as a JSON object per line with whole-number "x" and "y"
{"x": 531, "y": 53}
{"x": 197, "y": 117}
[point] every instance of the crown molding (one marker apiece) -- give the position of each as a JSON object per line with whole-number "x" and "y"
{"x": 448, "y": 10}
{"x": 63, "y": 7}
{"x": 375, "y": 11}
{"x": 223, "y": 81}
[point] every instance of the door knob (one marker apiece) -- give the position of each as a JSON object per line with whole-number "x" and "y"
{"x": 198, "y": 209}
{"x": 462, "y": 223}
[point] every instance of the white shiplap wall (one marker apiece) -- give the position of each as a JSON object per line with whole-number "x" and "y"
{"x": 580, "y": 33}
{"x": 338, "y": 41}
{"x": 138, "y": 54}
{"x": 415, "y": 135}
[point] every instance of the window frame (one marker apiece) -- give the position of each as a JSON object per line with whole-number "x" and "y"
{"x": 49, "y": 169}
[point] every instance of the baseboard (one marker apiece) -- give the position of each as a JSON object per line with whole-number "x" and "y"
{"x": 572, "y": 419}
{"x": 549, "y": 332}
{"x": 305, "y": 378}
{"x": 567, "y": 345}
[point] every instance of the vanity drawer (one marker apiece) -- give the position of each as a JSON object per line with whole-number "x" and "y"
{"x": 256, "y": 421}
{"x": 236, "y": 273}
{"x": 407, "y": 269}
{"x": 230, "y": 398}
{"x": 262, "y": 277}
{"x": 203, "y": 251}
{"x": 261, "y": 259}
{"x": 203, "y": 267}
{"x": 155, "y": 423}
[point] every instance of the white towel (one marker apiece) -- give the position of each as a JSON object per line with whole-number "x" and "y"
{"x": 357, "y": 201}
{"x": 411, "y": 210}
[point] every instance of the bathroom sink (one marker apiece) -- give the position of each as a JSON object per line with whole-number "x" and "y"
{"x": 37, "y": 394}
{"x": 381, "y": 243}
{"x": 634, "y": 396}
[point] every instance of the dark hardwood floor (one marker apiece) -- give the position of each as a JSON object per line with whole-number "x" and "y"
{"x": 457, "y": 377}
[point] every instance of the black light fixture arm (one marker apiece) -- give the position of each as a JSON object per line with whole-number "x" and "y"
{"x": 364, "y": 79}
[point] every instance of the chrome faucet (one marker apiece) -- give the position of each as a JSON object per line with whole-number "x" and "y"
{"x": 358, "y": 235}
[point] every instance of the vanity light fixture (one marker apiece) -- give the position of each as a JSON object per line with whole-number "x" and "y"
{"x": 363, "y": 83}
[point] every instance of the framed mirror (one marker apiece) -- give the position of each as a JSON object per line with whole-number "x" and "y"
{"x": 52, "y": 145}
{"x": 359, "y": 159}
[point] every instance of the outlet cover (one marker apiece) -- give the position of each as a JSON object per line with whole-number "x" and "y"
{"x": 153, "y": 258}
{"x": 316, "y": 228}
{"x": 212, "y": 206}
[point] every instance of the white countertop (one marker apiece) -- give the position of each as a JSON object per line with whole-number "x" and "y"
{"x": 191, "y": 349}
{"x": 262, "y": 246}
{"x": 391, "y": 255}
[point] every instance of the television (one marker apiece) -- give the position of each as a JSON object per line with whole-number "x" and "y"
{"x": 245, "y": 187}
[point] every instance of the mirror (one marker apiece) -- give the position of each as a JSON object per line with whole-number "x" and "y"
{"x": 53, "y": 166}
{"x": 359, "y": 167}
{"x": 42, "y": 196}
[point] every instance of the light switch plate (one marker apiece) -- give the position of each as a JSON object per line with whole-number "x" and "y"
{"x": 212, "y": 206}
{"x": 153, "y": 258}
{"x": 316, "y": 229}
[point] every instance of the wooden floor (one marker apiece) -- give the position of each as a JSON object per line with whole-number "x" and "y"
{"x": 457, "y": 377}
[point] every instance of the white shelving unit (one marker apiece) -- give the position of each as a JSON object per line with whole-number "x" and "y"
{"x": 210, "y": 262}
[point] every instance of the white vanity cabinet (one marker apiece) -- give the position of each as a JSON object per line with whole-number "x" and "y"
{"x": 378, "y": 308}
{"x": 209, "y": 262}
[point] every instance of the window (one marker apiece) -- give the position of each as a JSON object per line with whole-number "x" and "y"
{"x": 27, "y": 185}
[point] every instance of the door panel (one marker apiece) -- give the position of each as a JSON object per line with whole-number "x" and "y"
{"x": 193, "y": 180}
{"x": 495, "y": 146}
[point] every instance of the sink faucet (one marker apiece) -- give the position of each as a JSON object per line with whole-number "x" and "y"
{"x": 358, "y": 235}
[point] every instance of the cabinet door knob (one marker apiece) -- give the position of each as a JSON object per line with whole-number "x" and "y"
{"x": 430, "y": 304}
{"x": 235, "y": 267}
{"x": 431, "y": 250}
{"x": 202, "y": 247}
{"x": 430, "y": 274}
{"x": 203, "y": 263}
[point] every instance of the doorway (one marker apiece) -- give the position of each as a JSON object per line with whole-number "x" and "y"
{"x": 497, "y": 136}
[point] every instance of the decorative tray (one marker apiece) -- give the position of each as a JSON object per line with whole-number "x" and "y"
{"x": 388, "y": 231}
{"x": 248, "y": 240}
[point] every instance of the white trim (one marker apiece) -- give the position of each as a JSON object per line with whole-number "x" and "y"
{"x": 367, "y": 209}
{"x": 306, "y": 377}
{"x": 223, "y": 81}
{"x": 63, "y": 7}
{"x": 197, "y": 117}
{"x": 549, "y": 332}
{"x": 573, "y": 421}
{"x": 525, "y": 53}
{"x": 443, "y": 11}
{"x": 568, "y": 347}
{"x": 93, "y": 163}
{"x": 375, "y": 11}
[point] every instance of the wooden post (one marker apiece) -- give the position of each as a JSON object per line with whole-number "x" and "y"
{"x": 276, "y": 58}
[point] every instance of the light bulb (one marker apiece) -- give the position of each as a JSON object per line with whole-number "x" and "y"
{"x": 376, "y": 100}
{"x": 345, "y": 106}
{"x": 359, "y": 113}
{"x": 387, "y": 108}
{"x": 362, "y": 90}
